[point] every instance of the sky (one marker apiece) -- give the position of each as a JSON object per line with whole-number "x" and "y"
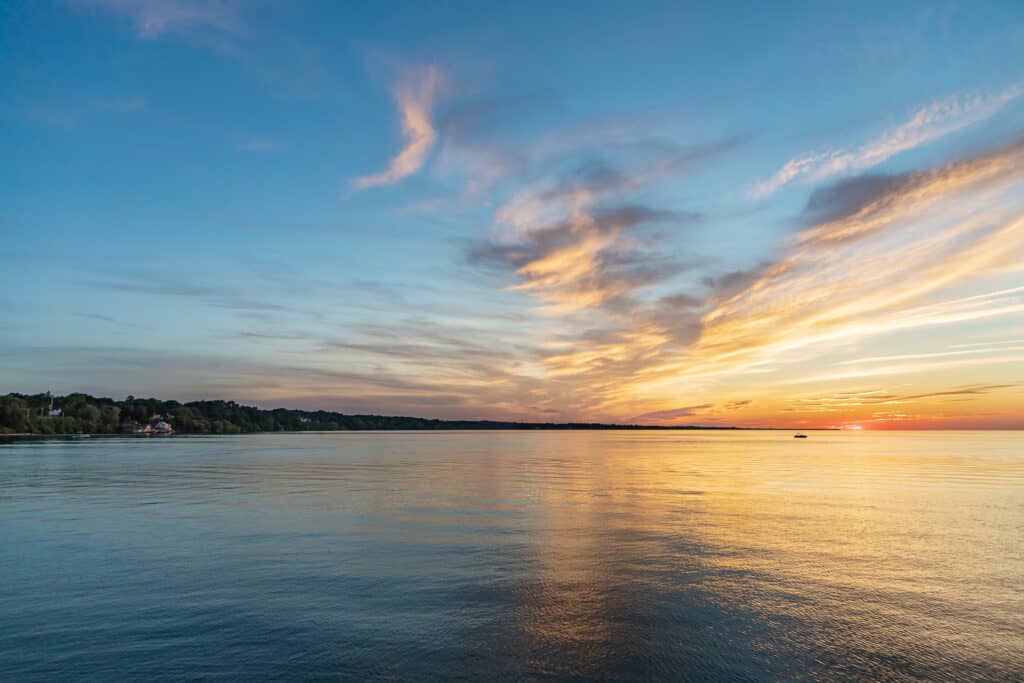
{"x": 759, "y": 214}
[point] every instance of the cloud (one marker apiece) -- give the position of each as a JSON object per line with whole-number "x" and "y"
{"x": 413, "y": 366}
{"x": 154, "y": 18}
{"x": 925, "y": 125}
{"x": 672, "y": 414}
{"x": 874, "y": 268}
{"x": 911, "y": 369}
{"x": 229, "y": 28}
{"x": 879, "y": 265}
{"x": 470, "y": 117}
{"x": 581, "y": 263}
{"x": 1005, "y": 342}
{"x": 850, "y": 196}
{"x": 576, "y": 241}
{"x": 858, "y": 208}
{"x": 835, "y": 401}
{"x": 935, "y": 354}
{"x": 414, "y": 95}
{"x": 733, "y": 282}
{"x": 736, "y": 405}
{"x": 216, "y": 296}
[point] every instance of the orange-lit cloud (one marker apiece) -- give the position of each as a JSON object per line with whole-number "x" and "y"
{"x": 872, "y": 267}
{"x": 870, "y": 270}
{"x": 414, "y": 96}
{"x": 618, "y": 327}
{"x": 580, "y": 242}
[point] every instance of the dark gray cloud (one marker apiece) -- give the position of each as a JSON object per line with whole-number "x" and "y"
{"x": 850, "y": 196}
{"x": 640, "y": 163}
{"x": 673, "y": 414}
{"x": 859, "y": 198}
{"x": 684, "y": 158}
{"x": 734, "y": 282}
{"x": 547, "y": 240}
{"x": 421, "y": 352}
{"x": 269, "y": 336}
{"x": 617, "y": 274}
{"x": 680, "y": 302}
{"x": 593, "y": 175}
{"x": 679, "y": 317}
{"x": 597, "y": 174}
{"x": 735, "y": 405}
{"x": 215, "y": 296}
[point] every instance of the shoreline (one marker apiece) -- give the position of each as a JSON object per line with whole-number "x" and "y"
{"x": 429, "y": 431}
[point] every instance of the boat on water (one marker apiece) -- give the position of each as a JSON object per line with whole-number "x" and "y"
{"x": 80, "y": 435}
{"x": 799, "y": 436}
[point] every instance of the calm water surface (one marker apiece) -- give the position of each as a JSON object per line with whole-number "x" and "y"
{"x": 514, "y": 556}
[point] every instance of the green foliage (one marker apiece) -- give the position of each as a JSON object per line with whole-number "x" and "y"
{"x": 14, "y": 414}
{"x": 20, "y": 413}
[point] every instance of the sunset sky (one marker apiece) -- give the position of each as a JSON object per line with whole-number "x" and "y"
{"x": 760, "y": 214}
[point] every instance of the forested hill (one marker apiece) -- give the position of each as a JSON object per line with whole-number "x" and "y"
{"x": 22, "y": 413}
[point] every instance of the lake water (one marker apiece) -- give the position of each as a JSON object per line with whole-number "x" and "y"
{"x": 514, "y": 556}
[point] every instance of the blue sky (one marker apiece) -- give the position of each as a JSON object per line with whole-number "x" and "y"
{"x": 593, "y": 211}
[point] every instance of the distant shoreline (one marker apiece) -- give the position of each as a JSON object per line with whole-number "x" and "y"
{"x": 106, "y": 435}
{"x": 25, "y": 415}
{"x": 79, "y": 413}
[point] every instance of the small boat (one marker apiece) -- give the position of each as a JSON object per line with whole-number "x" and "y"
{"x": 80, "y": 435}
{"x": 799, "y": 436}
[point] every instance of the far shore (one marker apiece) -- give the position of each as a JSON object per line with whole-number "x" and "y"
{"x": 625, "y": 428}
{"x": 46, "y": 414}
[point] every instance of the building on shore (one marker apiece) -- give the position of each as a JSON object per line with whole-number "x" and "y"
{"x": 155, "y": 425}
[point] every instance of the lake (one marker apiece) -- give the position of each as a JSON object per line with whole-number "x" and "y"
{"x": 514, "y": 555}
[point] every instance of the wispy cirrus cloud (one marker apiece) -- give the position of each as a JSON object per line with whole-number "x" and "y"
{"x": 154, "y": 18}
{"x": 837, "y": 400}
{"x": 912, "y": 369}
{"x": 230, "y": 28}
{"x": 925, "y": 125}
{"x": 983, "y": 350}
{"x": 414, "y": 96}
{"x": 671, "y": 414}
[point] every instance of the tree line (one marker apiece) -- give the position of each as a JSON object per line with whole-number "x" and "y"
{"x": 30, "y": 414}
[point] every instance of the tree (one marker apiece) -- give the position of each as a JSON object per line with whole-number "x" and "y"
{"x": 13, "y": 414}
